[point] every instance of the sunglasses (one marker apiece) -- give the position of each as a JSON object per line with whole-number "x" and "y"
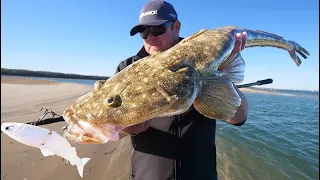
{"x": 154, "y": 30}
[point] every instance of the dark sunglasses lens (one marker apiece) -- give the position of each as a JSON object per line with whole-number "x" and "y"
{"x": 158, "y": 30}
{"x": 144, "y": 34}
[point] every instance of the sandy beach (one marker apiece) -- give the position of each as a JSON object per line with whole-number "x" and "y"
{"x": 21, "y": 101}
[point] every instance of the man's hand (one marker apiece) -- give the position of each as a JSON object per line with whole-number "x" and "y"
{"x": 241, "y": 39}
{"x": 136, "y": 129}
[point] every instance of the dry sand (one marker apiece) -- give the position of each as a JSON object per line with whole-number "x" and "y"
{"x": 21, "y": 101}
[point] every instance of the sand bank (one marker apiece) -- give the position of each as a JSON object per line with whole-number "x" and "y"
{"x": 248, "y": 90}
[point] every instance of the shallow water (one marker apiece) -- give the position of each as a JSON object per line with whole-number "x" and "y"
{"x": 280, "y": 140}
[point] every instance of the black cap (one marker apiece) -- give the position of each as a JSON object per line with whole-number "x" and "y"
{"x": 153, "y": 13}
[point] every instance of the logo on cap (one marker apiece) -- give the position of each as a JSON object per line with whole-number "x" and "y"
{"x": 173, "y": 15}
{"x": 148, "y": 13}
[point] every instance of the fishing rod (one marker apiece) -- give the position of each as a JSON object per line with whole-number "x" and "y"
{"x": 259, "y": 83}
{"x": 53, "y": 119}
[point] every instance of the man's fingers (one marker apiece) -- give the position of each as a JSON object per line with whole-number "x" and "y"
{"x": 244, "y": 40}
{"x": 238, "y": 44}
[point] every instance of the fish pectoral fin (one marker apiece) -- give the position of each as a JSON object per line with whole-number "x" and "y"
{"x": 233, "y": 68}
{"x": 217, "y": 98}
{"x": 46, "y": 152}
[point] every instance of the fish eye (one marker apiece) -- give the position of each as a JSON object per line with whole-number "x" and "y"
{"x": 114, "y": 101}
{"x": 110, "y": 100}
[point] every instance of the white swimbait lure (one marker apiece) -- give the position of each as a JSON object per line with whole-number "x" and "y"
{"x": 48, "y": 141}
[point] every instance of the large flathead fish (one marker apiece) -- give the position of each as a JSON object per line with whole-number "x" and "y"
{"x": 198, "y": 70}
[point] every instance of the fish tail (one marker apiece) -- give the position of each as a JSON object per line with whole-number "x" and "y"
{"x": 80, "y": 167}
{"x": 262, "y": 38}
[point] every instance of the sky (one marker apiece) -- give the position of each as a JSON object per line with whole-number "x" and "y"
{"x": 91, "y": 37}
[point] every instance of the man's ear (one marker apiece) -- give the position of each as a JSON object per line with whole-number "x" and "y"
{"x": 177, "y": 26}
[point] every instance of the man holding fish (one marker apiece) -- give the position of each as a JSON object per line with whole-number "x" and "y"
{"x": 168, "y": 97}
{"x": 180, "y": 146}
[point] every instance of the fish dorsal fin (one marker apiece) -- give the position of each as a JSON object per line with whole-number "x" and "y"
{"x": 194, "y": 35}
{"x": 46, "y": 152}
{"x": 269, "y": 33}
{"x": 217, "y": 99}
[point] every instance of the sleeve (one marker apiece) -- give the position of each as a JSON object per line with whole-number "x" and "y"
{"x": 240, "y": 124}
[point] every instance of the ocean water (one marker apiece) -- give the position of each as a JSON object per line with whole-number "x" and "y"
{"x": 280, "y": 139}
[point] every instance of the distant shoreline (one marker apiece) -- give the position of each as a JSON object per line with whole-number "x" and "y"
{"x": 47, "y": 74}
{"x": 249, "y": 90}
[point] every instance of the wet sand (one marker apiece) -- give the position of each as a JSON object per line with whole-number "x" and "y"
{"x": 21, "y": 101}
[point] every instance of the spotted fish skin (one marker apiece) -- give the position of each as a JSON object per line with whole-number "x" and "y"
{"x": 169, "y": 82}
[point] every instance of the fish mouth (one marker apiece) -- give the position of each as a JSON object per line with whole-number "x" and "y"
{"x": 81, "y": 131}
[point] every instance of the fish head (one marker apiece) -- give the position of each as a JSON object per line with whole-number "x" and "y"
{"x": 138, "y": 93}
